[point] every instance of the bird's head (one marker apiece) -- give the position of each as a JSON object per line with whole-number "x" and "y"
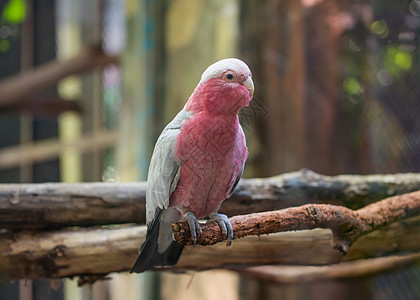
{"x": 225, "y": 87}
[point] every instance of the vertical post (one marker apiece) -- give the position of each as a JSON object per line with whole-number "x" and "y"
{"x": 142, "y": 90}
{"x": 91, "y": 33}
{"x": 27, "y": 61}
{"x": 272, "y": 43}
{"x": 135, "y": 132}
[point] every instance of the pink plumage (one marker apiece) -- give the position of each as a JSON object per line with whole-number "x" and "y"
{"x": 197, "y": 162}
{"x": 212, "y": 146}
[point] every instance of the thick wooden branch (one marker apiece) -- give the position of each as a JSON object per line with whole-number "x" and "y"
{"x": 346, "y": 225}
{"x": 44, "y": 150}
{"x": 98, "y": 251}
{"x": 61, "y": 205}
{"x": 52, "y": 205}
{"x": 383, "y": 228}
{"x": 306, "y": 186}
{"x": 344, "y": 270}
{"x": 20, "y": 87}
{"x": 43, "y": 106}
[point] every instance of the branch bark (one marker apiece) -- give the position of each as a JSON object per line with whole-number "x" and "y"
{"x": 346, "y": 225}
{"x": 95, "y": 252}
{"x": 344, "y": 270}
{"x": 55, "y": 205}
{"x": 384, "y": 228}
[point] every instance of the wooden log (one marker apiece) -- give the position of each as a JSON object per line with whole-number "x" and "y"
{"x": 95, "y": 252}
{"x": 52, "y": 205}
{"x": 43, "y": 106}
{"x": 47, "y": 149}
{"x": 344, "y": 270}
{"x": 305, "y": 186}
{"x": 55, "y": 205}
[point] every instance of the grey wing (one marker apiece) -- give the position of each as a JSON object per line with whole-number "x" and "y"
{"x": 164, "y": 169}
{"x": 236, "y": 182}
{"x": 230, "y": 192}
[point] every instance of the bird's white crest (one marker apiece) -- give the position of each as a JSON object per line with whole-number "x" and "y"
{"x": 217, "y": 69}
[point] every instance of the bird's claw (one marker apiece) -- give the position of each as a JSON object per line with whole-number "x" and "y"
{"x": 194, "y": 226}
{"x": 224, "y": 225}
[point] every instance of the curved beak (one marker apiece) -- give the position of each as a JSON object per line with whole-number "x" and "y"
{"x": 249, "y": 85}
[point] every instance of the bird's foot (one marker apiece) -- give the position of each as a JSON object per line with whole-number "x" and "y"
{"x": 225, "y": 226}
{"x": 194, "y": 226}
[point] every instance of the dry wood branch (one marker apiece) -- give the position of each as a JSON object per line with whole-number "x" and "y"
{"x": 22, "y": 86}
{"x": 344, "y": 270}
{"x": 45, "y": 150}
{"x": 82, "y": 204}
{"x": 42, "y": 106}
{"x": 37, "y": 205}
{"x": 305, "y": 186}
{"x": 99, "y": 251}
{"x": 346, "y": 225}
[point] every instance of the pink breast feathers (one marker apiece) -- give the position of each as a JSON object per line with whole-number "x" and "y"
{"x": 212, "y": 151}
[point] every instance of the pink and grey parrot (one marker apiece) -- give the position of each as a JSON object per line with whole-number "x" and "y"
{"x": 197, "y": 162}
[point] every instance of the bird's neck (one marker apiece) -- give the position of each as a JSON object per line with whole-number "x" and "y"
{"x": 215, "y": 98}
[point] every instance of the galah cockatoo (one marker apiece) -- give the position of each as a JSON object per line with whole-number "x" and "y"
{"x": 197, "y": 162}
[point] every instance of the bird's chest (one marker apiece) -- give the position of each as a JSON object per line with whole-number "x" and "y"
{"x": 206, "y": 140}
{"x": 212, "y": 152}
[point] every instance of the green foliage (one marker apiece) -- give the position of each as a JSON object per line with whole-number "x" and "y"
{"x": 352, "y": 86}
{"x": 4, "y": 45}
{"x": 380, "y": 28}
{"x": 397, "y": 60}
{"x": 14, "y": 12}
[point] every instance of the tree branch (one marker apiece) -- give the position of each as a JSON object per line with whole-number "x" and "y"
{"x": 346, "y": 225}
{"x": 344, "y": 270}
{"x": 55, "y": 205}
{"x": 20, "y": 87}
{"x": 95, "y": 252}
{"x": 45, "y": 150}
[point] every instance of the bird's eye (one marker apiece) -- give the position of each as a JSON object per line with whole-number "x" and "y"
{"x": 229, "y": 76}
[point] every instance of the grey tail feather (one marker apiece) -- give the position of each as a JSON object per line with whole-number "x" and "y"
{"x": 149, "y": 256}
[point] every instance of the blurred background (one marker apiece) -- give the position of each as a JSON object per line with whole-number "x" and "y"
{"x": 86, "y": 86}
